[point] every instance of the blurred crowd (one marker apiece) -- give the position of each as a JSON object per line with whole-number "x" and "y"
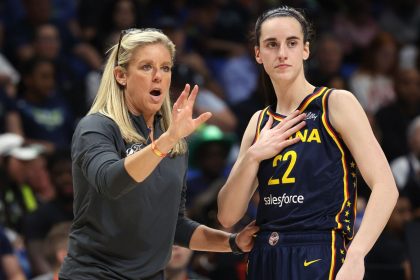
{"x": 51, "y": 58}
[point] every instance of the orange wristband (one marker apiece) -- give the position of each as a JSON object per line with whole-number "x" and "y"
{"x": 156, "y": 151}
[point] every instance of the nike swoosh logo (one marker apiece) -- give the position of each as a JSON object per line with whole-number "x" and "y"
{"x": 305, "y": 263}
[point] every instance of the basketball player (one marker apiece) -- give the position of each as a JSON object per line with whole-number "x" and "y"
{"x": 307, "y": 190}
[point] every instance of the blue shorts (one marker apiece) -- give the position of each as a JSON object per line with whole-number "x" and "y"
{"x": 300, "y": 256}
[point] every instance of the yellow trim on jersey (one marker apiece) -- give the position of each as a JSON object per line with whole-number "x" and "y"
{"x": 303, "y": 106}
{"x": 260, "y": 119}
{"x": 310, "y": 99}
{"x": 333, "y": 252}
{"x": 354, "y": 211}
{"x": 343, "y": 158}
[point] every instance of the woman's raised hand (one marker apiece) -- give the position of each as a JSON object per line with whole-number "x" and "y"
{"x": 183, "y": 123}
{"x": 272, "y": 140}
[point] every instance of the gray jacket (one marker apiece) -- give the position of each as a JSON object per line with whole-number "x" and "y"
{"x": 122, "y": 229}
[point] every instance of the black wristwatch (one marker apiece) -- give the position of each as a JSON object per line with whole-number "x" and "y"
{"x": 233, "y": 246}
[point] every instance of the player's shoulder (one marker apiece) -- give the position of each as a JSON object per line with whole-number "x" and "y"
{"x": 344, "y": 108}
{"x": 340, "y": 98}
{"x": 256, "y": 117}
{"x": 341, "y": 95}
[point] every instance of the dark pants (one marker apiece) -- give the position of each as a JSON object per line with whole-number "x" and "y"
{"x": 288, "y": 256}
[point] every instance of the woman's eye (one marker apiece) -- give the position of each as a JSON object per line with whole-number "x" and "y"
{"x": 166, "y": 69}
{"x": 272, "y": 45}
{"x": 147, "y": 67}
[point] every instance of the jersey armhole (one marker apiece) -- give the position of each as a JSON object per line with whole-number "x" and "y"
{"x": 326, "y": 118}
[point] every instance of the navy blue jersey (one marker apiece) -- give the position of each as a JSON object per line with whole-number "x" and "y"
{"x": 310, "y": 185}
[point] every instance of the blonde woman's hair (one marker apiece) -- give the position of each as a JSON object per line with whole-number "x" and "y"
{"x": 109, "y": 100}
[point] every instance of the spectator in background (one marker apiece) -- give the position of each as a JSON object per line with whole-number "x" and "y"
{"x": 18, "y": 197}
{"x": 30, "y": 37}
{"x": 8, "y": 141}
{"x": 178, "y": 266}
{"x": 247, "y": 107}
{"x": 21, "y": 34}
{"x": 70, "y": 70}
{"x": 393, "y": 119}
{"x": 38, "y": 223}
{"x": 206, "y": 101}
{"x": 209, "y": 166}
{"x": 9, "y": 76}
{"x": 34, "y": 13}
{"x": 19, "y": 250}
{"x": 9, "y": 79}
{"x": 88, "y": 23}
{"x": 372, "y": 83}
{"x": 45, "y": 117}
{"x": 9, "y": 117}
{"x": 218, "y": 31}
{"x": 55, "y": 249}
{"x": 406, "y": 168}
{"x": 208, "y": 170}
{"x": 117, "y": 15}
{"x": 9, "y": 264}
{"x": 239, "y": 78}
{"x": 40, "y": 12}
{"x": 401, "y": 19}
{"x": 38, "y": 177}
{"x": 355, "y": 28}
{"x": 326, "y": 66}
{"x": 187, "y": 56}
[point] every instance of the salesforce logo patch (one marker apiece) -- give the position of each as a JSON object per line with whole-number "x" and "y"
{"x": 284, "y": 199}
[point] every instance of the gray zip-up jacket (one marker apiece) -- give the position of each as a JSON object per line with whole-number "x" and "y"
{"x": 122, "y": 229}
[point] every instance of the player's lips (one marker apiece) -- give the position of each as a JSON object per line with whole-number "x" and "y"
{"x": 282, "y": 66}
